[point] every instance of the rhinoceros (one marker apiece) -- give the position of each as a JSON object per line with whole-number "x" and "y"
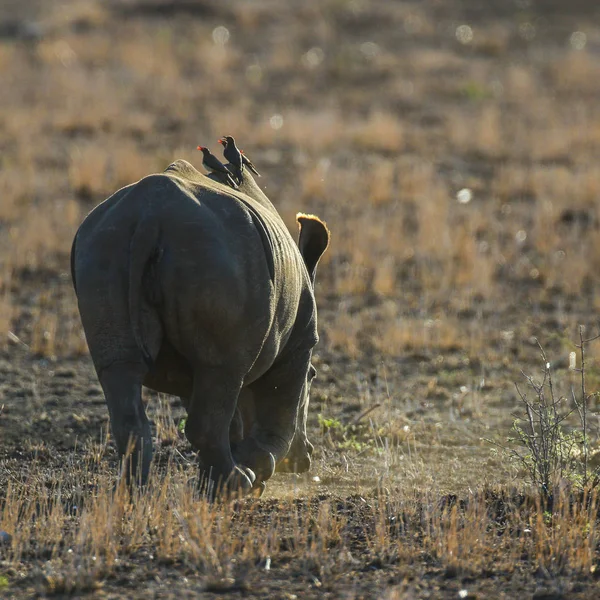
{"x": 191, "y": 288}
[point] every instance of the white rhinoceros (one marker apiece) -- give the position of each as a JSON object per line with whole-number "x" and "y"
{"x": 191, "y": 288}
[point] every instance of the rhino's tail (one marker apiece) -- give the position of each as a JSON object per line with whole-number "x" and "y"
{"x": 142, "y": 249}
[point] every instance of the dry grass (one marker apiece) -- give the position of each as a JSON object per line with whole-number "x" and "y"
{"x": 71, "y": 543}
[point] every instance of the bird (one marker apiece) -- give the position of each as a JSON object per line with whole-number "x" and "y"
{"x": 232, "y": 154}
{"x": 235, "y": 156}
{"x": 212, "y": 164}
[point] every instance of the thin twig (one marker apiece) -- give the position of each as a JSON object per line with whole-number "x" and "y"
{"x": 363, "y": 414}
{"x": 584, "y": 405}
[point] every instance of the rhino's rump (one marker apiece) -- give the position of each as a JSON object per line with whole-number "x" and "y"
{"x": 224, "y": 277}
{"x": 230, "y": 281}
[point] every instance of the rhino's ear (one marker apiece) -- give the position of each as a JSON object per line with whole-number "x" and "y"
{"x": 313, "y": 241}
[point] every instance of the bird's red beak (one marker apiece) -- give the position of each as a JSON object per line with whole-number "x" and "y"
{"x": 222, "y": 141}
{"x": 199, "y": 148}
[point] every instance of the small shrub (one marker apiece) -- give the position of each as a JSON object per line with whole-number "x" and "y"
{"x": 552, "y": 453}
{"x": 346, "y": 436}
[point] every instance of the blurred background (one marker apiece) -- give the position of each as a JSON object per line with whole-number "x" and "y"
{"x": 452, "y": 147}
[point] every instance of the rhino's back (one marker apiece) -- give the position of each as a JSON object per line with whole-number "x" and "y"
{"x": 221, "y": 252}
{"x": 286, "y": 263}
{"x": 240, "y": 218}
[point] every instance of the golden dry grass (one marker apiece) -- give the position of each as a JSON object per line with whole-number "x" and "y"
{"x": 73, "y": 551}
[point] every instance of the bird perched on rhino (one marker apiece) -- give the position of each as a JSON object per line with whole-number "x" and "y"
{"x": 235, "y": 156}
{"x": 212, "y": 164}
{"x": 232, "y": 154}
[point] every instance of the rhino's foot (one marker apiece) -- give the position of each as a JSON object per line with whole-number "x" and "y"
{"x": 294, "y": 465}
{"x": 240, "y": 480}
{"x": 238, "y": 483}
{"x": 262, "y": 462}
{"x": 298, "y": 459}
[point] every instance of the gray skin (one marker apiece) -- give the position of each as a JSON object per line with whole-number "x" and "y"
{"x": 194, "y": 289}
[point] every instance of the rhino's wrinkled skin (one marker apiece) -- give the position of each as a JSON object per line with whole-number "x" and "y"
{"x": 191, "y": 288}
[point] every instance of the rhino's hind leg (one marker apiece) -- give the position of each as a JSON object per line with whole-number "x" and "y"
{"x": 122, "y": 386}
{"x": 277, "y": 397}
{"x": 211, "y": 411}
{"x": 298, "y": 459}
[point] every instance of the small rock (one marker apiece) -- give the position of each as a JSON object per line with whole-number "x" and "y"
{"x": 5, "y": 538}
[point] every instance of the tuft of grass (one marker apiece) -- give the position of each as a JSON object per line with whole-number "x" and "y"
{"x": 168, "y": 432}
{"x": 474, "y": 91}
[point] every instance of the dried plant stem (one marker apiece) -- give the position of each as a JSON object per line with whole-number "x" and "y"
{"x": 552, "y": 454}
